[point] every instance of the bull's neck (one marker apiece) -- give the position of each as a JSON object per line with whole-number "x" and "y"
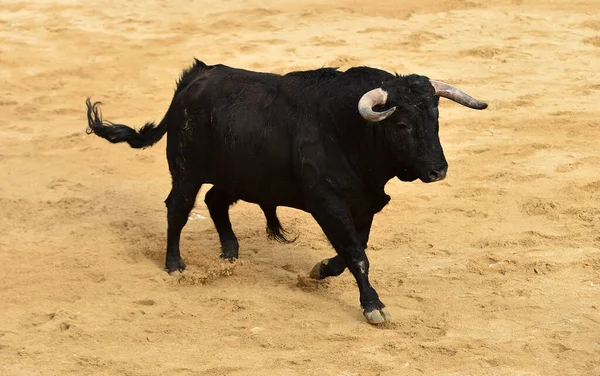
{"x": 366, "y": 150}
{"x": 364, "y": 143}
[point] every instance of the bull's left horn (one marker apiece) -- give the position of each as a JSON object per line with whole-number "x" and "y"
{"x": 371, "y": 99}
{"x": 445, "y": 90}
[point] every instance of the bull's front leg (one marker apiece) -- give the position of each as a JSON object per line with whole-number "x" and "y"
{"x": 334, "y": 218}
{"x": 335, "y": 266}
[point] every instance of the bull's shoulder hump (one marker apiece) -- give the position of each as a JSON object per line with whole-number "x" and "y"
{"x": 319, "y": 74}
{"x": 224, "y": 71}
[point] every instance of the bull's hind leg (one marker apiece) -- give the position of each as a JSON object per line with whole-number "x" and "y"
{"x": 218, "y": 203}
{"x": 179, "y": 205}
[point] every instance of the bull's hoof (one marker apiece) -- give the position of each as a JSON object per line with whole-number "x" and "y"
{"x": 230, "y": 250}
{"x": 317, "y": 270}
{"x": 378, "y": 316}
{"x": 175, "y": 266}
{"x": 229, "y": 257}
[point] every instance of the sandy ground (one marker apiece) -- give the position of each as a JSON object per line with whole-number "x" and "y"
{"x": 495, "y": 271}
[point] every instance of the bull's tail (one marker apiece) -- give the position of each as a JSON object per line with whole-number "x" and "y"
{"x": 147, "y": 136}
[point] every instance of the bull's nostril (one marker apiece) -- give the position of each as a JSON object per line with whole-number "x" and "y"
{"x": 437, "y": 175}
{"x": 433, "y": 175}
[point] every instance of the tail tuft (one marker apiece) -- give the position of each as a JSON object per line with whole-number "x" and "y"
{"x": 279, "y": 234}
{"x": 274, "y": 229}
{"x": 147, "y": 136}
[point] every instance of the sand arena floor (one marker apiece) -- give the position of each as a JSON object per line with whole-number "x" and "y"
{"x": 495, "y": 271}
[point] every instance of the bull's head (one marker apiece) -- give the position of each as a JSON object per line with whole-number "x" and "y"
{"x": 409, "y": 119}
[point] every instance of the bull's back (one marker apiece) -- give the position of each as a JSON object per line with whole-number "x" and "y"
{"x": 245, "y": 133}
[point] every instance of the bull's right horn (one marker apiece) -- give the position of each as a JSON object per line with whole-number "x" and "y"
{"x": 445, "y": 90}
{"x": 371, "y": 99}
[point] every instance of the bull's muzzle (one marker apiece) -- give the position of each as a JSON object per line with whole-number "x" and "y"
{"x": 438, "y": 174}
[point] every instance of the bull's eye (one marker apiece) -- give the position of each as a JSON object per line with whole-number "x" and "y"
{"x": 404, "y": 126}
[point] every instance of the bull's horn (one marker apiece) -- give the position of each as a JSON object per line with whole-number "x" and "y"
{"x": 445, "y": 90}
{"x": 369, "y": 100}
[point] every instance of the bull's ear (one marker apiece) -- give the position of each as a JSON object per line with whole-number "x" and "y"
{"x": 372, "y": 98}
{"x": 199, "y": 63}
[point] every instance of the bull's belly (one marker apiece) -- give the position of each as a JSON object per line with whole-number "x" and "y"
{"x": 256, "y": 178}
{"x": 263, "y": 193}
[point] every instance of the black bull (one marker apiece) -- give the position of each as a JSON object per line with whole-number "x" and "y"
{"x": 322, "y": 141}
